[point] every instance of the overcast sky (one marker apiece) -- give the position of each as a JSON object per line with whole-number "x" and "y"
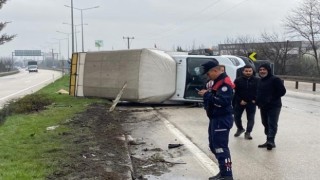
{"x": 166, "y": 23}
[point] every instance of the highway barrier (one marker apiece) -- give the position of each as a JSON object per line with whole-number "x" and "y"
{"x": 297, "y": 79}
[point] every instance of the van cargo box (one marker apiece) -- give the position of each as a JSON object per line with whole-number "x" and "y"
{"x": 150, "y": 75}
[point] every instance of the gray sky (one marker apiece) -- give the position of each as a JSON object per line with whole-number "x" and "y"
{"x": 166, "y": 23}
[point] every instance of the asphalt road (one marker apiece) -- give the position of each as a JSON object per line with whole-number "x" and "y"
{"x": 298, "y": 143}
{"x": 17, "y": 85}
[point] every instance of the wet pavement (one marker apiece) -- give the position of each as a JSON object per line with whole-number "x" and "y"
{"x": 298, "y": 143}
{"x": 152, "y": 135}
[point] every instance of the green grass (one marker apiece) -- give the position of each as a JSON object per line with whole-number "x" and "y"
{"x": 27, "y": 149}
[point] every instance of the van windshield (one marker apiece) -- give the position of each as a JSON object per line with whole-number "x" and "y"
{"x": 32, "y": 66}
{"x": 194, "y": 79}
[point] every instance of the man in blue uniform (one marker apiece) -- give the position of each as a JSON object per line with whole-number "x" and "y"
{"x": 217, "y": 102}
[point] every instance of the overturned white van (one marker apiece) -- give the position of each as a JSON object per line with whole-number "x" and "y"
{"x": 151, "y": 75}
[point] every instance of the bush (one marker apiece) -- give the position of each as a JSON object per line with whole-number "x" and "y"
{"x": 28, "y": 104}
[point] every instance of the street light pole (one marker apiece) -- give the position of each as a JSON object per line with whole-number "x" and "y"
{"x": 75, "y": 34}
{"x": 53, "y": 59}
{"x": 60, "y": 61}
{"x": 59, "y": 40}
{"x": 72, "y": 31}
{"x": 59, "y": 57}
{"x": 82, "y": 30}
{"x": 81, "y": 11}
{"x": 68, "y": 42}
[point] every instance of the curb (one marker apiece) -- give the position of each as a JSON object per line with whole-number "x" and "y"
{"x": 129, "y": 173}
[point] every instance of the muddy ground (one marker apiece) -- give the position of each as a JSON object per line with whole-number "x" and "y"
{"x": 100, "y": 147}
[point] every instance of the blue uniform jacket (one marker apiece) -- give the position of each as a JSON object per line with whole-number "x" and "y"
{"x": 217, "y": 102}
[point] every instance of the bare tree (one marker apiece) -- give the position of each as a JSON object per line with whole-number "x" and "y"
{"x": 240, "y": 46}
{"x": 4, "y": 37}
{"x": 304, "y": 21}
{"x": 275, "y": 48}
{"x": 247, "y": 44}
{"x": 6, "y": 64}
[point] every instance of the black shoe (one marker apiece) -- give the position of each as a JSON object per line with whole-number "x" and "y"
{"x": 239, "y": 132}
{"x": 266, "y": 144}
{"x": 226, "y": 178}
{"x": 270, "y": 145}
{"x": 215, "y": 177}
{"x": 247, "y": 136}
{"x": 222, "y": 178}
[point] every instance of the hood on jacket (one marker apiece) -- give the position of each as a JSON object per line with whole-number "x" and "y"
{"x": 267, "y": 67}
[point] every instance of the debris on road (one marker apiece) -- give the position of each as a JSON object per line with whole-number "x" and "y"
{"x": 170, "y": 146}
{"x": 51, "y": 128}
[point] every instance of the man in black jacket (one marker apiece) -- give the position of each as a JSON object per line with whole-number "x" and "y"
{"x": 245, "y": 99}
{"x": 269, "y": 93}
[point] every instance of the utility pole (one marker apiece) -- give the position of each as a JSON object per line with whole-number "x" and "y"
{"x": 128, "y": 39}
{"x": 52, "y": 57}
{"x": 68, "y": 42}
{"x": 72, "y": 30}
{"x": 75, "y": 34}
{"x": 81, "y": 11}
{"x": 283, "y": 68}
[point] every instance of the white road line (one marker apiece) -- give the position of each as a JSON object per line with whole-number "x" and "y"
{"x": 204, "y": 160}
{"x": 25, "y": 89}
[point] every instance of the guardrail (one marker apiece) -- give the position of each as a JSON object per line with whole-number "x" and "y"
{"x": 63, "y": 70}
{"x": 297, "y": 79}
{"x": 8, "y": 73}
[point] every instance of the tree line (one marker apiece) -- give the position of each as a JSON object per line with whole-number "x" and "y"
{"x": 293, "y": 53}
{"x": 5, "y": 63}
{"x": 296, "y": 52}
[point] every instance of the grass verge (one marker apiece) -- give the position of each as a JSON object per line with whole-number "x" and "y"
{"x": 28, "y": 149}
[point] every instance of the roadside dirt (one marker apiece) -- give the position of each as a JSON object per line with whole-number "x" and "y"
{"x": 100, "y": 147}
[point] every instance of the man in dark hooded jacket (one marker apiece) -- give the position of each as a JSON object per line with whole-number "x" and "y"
{"x": 269, "y": 92}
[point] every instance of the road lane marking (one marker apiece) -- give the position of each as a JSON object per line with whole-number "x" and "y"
{"x": 3, "y": 98}
{"x": 204, "y": 160}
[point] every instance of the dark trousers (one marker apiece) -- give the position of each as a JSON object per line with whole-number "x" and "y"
{"x": 270, "y": 118}
{"x": 250, "y": 110}
{"x": 219, "y": 128}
